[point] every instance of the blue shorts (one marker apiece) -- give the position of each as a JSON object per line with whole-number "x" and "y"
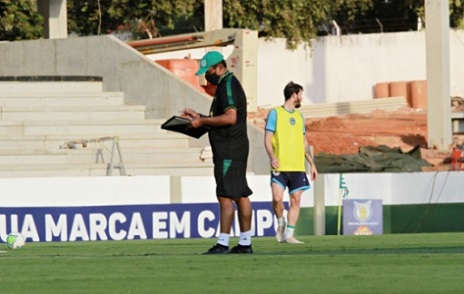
{"x": 295, "y": 181}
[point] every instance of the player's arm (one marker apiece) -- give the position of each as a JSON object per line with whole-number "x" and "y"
{"x": 191, "y": 114}
{"x": 229, "y": 117}
{"x": 226, "y": 98}
{"x": 309, "y": 158}
{"x": 270, "y": 152}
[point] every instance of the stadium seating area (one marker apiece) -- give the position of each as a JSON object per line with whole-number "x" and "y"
{"x": 57, "y": 127}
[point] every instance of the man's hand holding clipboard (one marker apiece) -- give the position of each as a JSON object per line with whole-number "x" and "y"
{"x": 187, "y": 123}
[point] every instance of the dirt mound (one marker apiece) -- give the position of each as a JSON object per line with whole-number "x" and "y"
{"x": 344, "y": 134}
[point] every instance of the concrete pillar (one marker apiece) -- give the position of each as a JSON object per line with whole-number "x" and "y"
{"x": 213, "y": 15}
{"x": 319, "y": 205}
{"x": 438, "y": 74}
{"x": 55, "y": 18}
{"x": 176, "y": 189}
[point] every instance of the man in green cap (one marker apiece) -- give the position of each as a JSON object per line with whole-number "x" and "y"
{"x": 230, "y": 146}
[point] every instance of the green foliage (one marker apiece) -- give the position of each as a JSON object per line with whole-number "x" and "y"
{"x": 143, "y": 18}
{"x": 296, "y": 20}
{"x": 457, "y": 13}
{"x": 456, "y": 10}
{"x": 300, "y": 21}
{"x": 19, "y": 20}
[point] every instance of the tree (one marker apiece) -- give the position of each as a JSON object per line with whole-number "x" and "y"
{"x": 144, "y": 18}
{"x": 383, "y": 16}
{"x": 19, "y": 20}
{"x": 296, "y": 20}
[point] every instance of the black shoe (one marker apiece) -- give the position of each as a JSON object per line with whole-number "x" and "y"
{"x": 241, "y": 249}
{"x": 217, "y": 249}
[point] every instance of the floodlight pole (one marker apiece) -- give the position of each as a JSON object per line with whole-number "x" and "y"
{"x": 438, "y": 74}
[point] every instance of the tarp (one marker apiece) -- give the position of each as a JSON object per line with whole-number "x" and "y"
{"x": 372, "y": 159}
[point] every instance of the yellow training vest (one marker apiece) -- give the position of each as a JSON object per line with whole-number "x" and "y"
{"x": 288, "y": 140}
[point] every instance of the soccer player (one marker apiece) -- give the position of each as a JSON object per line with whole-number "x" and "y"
{"x": 230, "y": 146}
{"x": 287, "y": 148}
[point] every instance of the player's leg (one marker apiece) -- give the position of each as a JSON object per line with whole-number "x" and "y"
{"x": 277, "y": 200}
{"x": 244, "y": 209}
{"x": 293, "y": 215}
{"x": 278, "y": 207}
{"x": 294, "y": 209}
{"x": 239, "y": 186}
{"x": 235, "y": 186}
{"x": 298, "y": 183}
{"x": 227, "y": 210}
{"x": 226, "y": 218}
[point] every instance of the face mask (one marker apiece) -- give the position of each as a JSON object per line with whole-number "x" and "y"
{"x": 212, "y": 78}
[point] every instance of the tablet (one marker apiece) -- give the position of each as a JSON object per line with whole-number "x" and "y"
{"x": 182, "y": 125}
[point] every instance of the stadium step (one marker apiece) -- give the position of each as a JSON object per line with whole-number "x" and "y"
{"x": 47, "y": 86}
{"x": 78, "y": 98}
{"x": 60, "y": 113}
{"x": 40, "y": 119}
{"x": 91, "y": 128}
{"x": 54, "y": 142}
{"x": 101, "y": 154}
{"x": 85, "y": 170}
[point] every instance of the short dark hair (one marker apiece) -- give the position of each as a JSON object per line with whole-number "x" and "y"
{"x": 290, "y": 89}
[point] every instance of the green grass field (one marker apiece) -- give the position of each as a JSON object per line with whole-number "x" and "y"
{"x": 401, "y": 263}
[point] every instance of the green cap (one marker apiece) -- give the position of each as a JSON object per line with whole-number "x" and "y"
{"x": 211, "y": 58}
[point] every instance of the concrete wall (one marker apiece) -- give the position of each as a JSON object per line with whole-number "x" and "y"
{"x": 343, "y": 68}
{"x": 337, "y": 68}
{"x": 122, "y": 68}
{"x": 152, "y": 207}
{"x": 391, "y": 188}
{"x": 346, "y": 68}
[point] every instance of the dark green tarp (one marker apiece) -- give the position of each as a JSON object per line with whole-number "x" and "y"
{"x": 372, "y": 159}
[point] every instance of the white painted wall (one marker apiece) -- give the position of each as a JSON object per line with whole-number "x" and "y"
{"x": 343, "y": 68}
{"x": 118, "y": 208}
{"x": 346, "y": 68}
{"x": 84, "y": 191}
{"x": 392, "y": 188}
{"x": 336, "y": 69}
{"x": 398, "y": 188}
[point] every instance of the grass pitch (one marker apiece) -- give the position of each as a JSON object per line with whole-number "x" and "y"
{"x": 401, "y": 263}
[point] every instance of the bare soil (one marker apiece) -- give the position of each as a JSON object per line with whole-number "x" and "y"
{"x": 344, "y": 134}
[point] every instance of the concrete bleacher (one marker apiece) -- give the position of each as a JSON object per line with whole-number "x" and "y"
{"x": 38, "y": 117}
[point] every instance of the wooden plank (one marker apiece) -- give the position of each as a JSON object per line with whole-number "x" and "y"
{"x": 341, "y": 108}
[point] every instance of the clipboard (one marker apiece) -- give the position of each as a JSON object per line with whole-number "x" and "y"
{"x": 182, "y": 125}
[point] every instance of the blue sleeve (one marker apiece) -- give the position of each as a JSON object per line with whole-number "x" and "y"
{"x": 271, "y": 121}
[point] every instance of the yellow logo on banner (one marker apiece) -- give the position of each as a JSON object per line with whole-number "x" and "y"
{"x": 362, "y": 211}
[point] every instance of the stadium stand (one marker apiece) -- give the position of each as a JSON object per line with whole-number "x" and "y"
{"x": 40, "y": 114}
